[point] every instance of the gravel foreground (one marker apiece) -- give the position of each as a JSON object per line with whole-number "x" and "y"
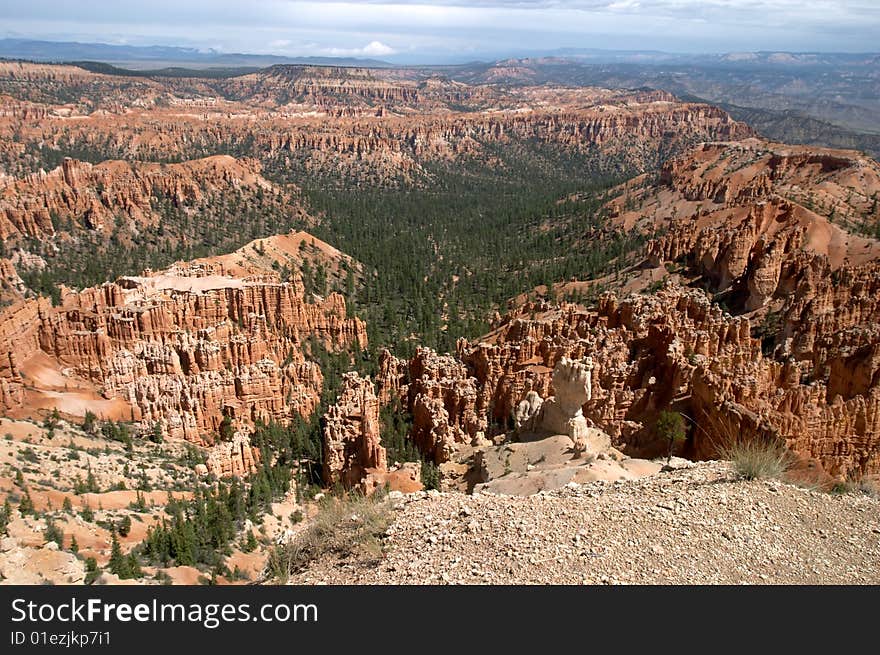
{"x": 698, "y": 525}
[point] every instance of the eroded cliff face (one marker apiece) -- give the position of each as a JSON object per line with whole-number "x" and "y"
{"x": 756, "y": 219}
{"x": 323, "y": 87}
{"x": 389, "y": 146}
{"x": 352, "y": 447}
{"x": 649, "y": 353}
{"x": 234, "y": 458}
{"x": 182, "y": 348}
{"x": 782, "y": 234}
{"x": 384, "y": 126}
{"x": 78, "y": 195}
{"x": 443, "y": 400}
{"x": 777, "y": 234}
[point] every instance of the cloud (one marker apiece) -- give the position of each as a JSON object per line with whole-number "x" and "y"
{"x": 377, "y": 49}
{"x": 372, "y": 49}
{"x": 450, "y": 28}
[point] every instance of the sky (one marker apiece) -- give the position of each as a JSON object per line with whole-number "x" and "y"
{"x": 425, "y": 31}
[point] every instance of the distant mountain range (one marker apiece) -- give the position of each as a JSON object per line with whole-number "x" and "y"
{"x": 155, "y": 56}
{"x": 158, "y": 57}
{"x": 729, "y": 59}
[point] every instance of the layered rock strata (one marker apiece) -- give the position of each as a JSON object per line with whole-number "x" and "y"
{"x": 235, "y": 458}
{"x": 81, "y": 196}
{"x": 352, "y": 447}
{"x": 377, "y": 125}
{"x": 674, "y": 350}
{"x": 181, "y": 348}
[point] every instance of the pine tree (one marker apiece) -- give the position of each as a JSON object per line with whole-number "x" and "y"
{"x": 670, "y": 427}
{"x": 227, "y": 431}
{"x": 125, "y": 526}
{"x": 91, "y": 482}
{"x": 86, "y": 513}
{"x": 53, "y": 533}
{"x": 26, "y": 505}
{"x": 89, "y": 422}
{"x": 92, "y": 570}
{"x": 118, "y": 563}
{"x": 139, "y": 504}
{"x": 133, "y": 567}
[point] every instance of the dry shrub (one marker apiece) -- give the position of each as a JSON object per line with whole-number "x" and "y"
{"x": 345, "y": 526}
{"x": 857, "y": 485}
{"x": 757, "y": 459}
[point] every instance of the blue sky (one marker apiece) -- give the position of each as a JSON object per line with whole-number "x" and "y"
{"x": 444, "y": 30}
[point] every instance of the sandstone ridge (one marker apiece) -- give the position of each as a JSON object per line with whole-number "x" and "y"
{"x": 182, "y": 348}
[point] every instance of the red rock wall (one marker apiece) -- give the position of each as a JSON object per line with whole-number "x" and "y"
{"x": 183, "y": 358}
{"x": 352, "y": 445}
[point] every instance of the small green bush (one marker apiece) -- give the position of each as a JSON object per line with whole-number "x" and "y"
{"x": 53, "y": 533}
{"x": 86, "y": 513}
{"x": 92, "y": 570}
{"x": 5, "y": 515}
{"x": 430, "y": 475}
{"x": 670, "y": 427}
{"x": 124, "y": 526}
{"x": 26, "y": 505}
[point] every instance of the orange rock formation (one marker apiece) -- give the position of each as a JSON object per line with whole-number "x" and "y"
{"x": 352, "y": 448}
{"x": 182, "y": 347}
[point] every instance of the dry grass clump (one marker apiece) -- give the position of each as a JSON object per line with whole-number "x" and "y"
{"x": 345, "y": 526}
{"x": 757, "y": 459}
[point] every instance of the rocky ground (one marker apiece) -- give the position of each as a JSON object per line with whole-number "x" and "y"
{"x": 695, "y": 525}
{"x": 135, "y": 484}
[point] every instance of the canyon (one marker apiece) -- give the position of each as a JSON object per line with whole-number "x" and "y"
{"x": 287, "y": 285}
{"x": 370, "y": 125}
{"x": 780, "y": 237}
